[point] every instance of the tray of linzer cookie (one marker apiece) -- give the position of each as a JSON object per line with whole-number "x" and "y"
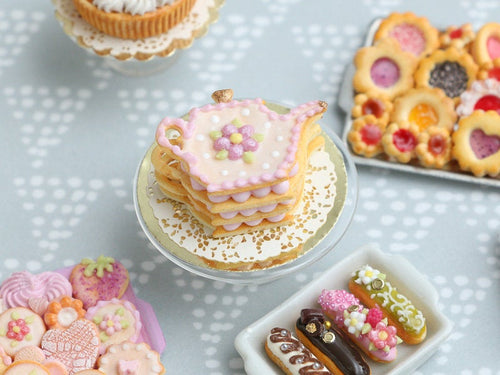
{"x": 424, "y": 100}
{"x": 371, "y": 313}
{"x": 82, "y": 320}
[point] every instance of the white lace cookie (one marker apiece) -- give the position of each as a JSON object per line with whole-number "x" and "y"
{"x": 130, "y": 358}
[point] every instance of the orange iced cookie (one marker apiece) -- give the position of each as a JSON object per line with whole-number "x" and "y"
{"x": 413, "y": 34}
{"x": 476, "y": 143}
{"x": 60, "y": 314}
{"x": 451, "y": 70}
{"x": 400, "y": 141}
{"x": 132, "y": 19}
{"x": 20, "y": 327}
{"x": 384, "y": 69}
{"x": 425, "y": 107}
{"x": 127, "y": 356}
{"x": 486, "y": 45}
{"x": 365, "y": 136}
{"x": 434, "y": 147}
{"x": 372, "y": 104}
{"x": 457, "y": 36}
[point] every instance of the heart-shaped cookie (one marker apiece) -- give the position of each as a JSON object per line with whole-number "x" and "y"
{"x": 476, "y": 143}
{"x": 34, "y": 291}
{"x": 100, "y": 280}
{"x": 76, "y": 347}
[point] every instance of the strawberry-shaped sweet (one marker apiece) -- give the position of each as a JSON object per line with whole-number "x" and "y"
{"x": 100, "y": 280}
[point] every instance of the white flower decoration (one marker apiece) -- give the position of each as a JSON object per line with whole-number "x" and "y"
{"x": 367, "y": 274}
{"x": 354, "y": 322}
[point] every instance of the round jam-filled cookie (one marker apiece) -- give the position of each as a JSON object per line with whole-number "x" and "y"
{"x": 127, "y": 356}
{"x": 490, "y": 69}
{"x": 26, "y": 368}
{"x": 451, "y": 70}
{"x": 457, "y": 36}
{"x": 60, "y": 314}
{"x": 482, "y": 95}
{"x": 365, "y": 136}
{"x": 413, "y": 34}
{"x": 425, "y": 107}
{"x": 99, "y": 280}
{"x": 372, "y": 104}
{"x": 384, "y": 69}
{"x": 486, "y": 45}
{"x": 290, "y": 355}
{"x": 20, "y": 327}
{"x": 400, "y": 140}
{"x": 434, "y": 147}
{"x": 373, "y": 289}
{"x": 117, "y": 321}
{"x": 76, "y": 347}
{"x": 23, "y": 289}
{"x": 476, "y": 143}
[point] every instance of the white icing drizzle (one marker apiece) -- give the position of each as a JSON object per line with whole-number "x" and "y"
{"x": 134, "y": 7}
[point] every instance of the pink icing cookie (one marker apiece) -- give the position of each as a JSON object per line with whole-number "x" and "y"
{"x": 55, "y": 367}
{"x": 34, "y": 291}
{"x": 365, "y": 327}
{"x": 20, "y": 327}
{"x": 26, "y": 368}
{"x": 132, "y": 359}
{"x": 75, "y": 347}
{"x": 117, "y": 321}
{"x": 100, "y": 280}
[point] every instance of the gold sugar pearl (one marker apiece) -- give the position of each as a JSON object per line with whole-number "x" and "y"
{"x": 328, "y": 337}
{"x": 378, "y": 284}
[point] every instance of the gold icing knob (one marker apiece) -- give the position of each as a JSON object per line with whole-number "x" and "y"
{"x": 328, "y": 337}
{"x": 353, "y": 308}
{"x": 378, "y": 284}
{"x": 311, "y": 328}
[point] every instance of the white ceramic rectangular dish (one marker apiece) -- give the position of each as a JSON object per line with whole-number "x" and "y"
{"x": 250, "y": 342}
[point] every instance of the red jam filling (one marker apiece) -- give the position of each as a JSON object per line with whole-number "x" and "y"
{"x": 455, "y": 34}
{"x": 404, "y": 140}
{"x": 436, "y": 144}
{"x": 488, "y": 103}
{"x": 373, "y": 107}
{"x": 371, "y": 134}
{"x": 494, "y": 73}
{"x": 493, "y": 47}
{"x": 484, "y": 145}
{"x": 384, "y": 72}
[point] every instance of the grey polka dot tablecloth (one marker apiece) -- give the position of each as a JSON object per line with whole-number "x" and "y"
{"x": 73, "y": 132}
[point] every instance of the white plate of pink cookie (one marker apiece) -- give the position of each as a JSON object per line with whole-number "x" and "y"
{"x": 409, "y": 281}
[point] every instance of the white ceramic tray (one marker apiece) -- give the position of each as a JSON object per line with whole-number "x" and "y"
{"x": 346, "y": 101}
{"x": 250, "y": 342}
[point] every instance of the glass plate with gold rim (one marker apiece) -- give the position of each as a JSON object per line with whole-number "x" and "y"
{"x": 180, "y": 239}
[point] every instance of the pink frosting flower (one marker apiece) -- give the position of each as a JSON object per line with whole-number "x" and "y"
{"x": 17, "y": 329}
{"x": 383, "y": 336}
{"x": 110, "y": 324}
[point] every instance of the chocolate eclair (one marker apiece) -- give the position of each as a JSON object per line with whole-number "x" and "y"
{"x": 330, "y": 346}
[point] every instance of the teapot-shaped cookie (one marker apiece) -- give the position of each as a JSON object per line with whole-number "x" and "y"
{"x": 238, "y": 144}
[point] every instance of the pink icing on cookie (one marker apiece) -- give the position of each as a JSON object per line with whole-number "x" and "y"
{"x": 484, "y": 145}
{"x": 34, "y": 291}
{"x": 271, "y": 160}
{"x": 493, "y": 47}
{"x": 384, "y": 72}
{"x": 410, "y": 38}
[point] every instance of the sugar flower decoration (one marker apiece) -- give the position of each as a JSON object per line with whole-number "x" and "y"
{"x": 354, "y": 321}
{"x": 383, "y": 337}
{"x": 366, "y": 275}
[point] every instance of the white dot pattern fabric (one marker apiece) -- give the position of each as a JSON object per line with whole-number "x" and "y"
{"x": 73, "y": 132}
